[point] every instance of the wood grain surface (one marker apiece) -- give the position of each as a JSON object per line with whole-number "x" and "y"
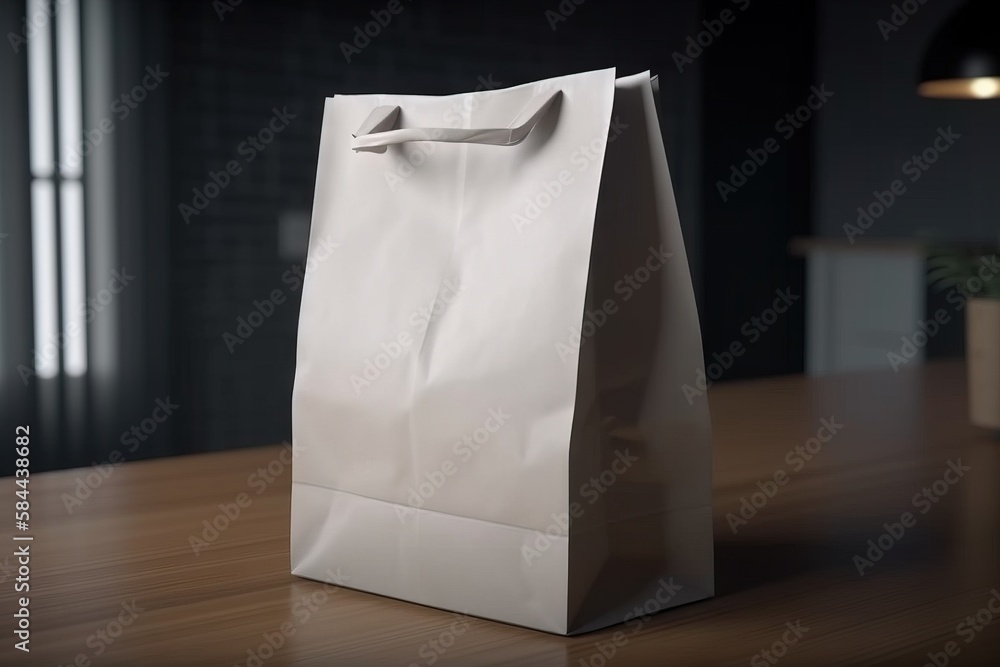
{"x": 115, "y": 580}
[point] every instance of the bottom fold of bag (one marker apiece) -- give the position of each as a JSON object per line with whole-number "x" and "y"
{"x": 479, "y": 568}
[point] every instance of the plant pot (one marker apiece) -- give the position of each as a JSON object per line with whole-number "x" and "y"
{"x": 982, "y": 354}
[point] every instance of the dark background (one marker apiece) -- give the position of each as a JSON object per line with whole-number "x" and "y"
{"x": 229, "y": 66}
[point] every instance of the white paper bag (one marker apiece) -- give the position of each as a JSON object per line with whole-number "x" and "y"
{"x": 487, "y": 413}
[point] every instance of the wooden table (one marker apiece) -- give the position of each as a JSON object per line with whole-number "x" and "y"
{"x": 117, "y": 582}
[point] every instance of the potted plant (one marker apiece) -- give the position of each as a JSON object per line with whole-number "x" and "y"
{"x": 973, "y": 278}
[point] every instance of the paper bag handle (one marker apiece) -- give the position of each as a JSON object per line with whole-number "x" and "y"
{"x": 375, "y": 134}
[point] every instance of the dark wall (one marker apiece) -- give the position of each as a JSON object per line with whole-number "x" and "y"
{"x": 758, "y": 69}
{"x": 16, "y": 326}
{"x": 879, "y": 123}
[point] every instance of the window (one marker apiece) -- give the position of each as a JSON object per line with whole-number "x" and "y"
{"x": 55, "y": 110}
